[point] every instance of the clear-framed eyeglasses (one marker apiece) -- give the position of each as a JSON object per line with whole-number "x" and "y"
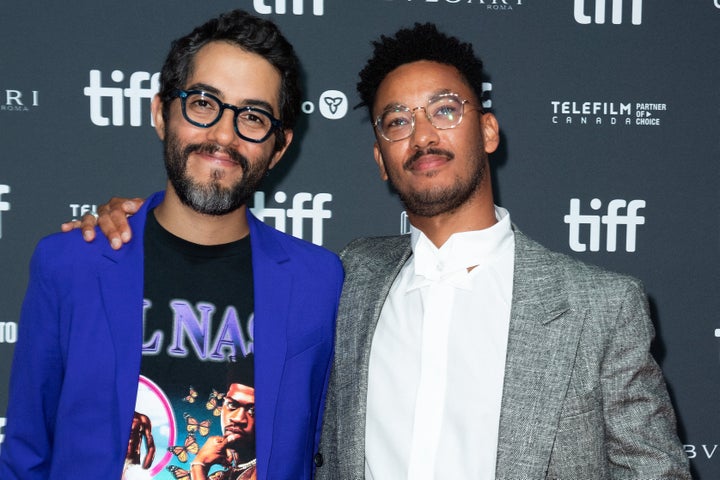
{"x": 204, "y": 110}
{"x": 443, "y": 111}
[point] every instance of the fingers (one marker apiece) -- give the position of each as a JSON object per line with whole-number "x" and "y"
{"x": 113, "y": 222}
{"x": 71, "y": 225}
{"x": 87, "y": 224}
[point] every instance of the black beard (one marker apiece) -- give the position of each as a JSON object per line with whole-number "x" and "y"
{"x": 210, "y": 198}
{"x": 435, "y": 202}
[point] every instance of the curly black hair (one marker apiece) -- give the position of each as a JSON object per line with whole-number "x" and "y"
{"x": 422, "y": 42}
{"x": 252, "y": 34}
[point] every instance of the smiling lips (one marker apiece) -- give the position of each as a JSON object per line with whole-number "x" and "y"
{"x": 216, "y": 154}
{"x": 219, "y": 159}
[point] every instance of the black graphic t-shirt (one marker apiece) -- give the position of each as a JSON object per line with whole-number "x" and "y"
{"x": 196, "y": 387}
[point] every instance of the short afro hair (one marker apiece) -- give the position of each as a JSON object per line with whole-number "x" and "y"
{"x": 422, "y": 42}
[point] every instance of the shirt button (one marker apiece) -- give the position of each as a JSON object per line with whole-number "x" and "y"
{"x": 318, "y": 459}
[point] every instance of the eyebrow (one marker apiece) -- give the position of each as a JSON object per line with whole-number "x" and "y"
{"x": 252, "y": 102}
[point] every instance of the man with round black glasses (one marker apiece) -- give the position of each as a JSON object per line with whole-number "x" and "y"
{"x": 203, "y": 287}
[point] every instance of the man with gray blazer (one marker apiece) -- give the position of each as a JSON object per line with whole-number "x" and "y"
{"x": 465, "y": 350}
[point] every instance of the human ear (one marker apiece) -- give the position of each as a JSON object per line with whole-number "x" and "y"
{"x": 490, "y": 131}
{"x": 380, "y": 161}
{"x": 156, "y": 110}
{"x": 279, "y": 153}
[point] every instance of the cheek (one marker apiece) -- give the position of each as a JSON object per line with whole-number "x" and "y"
{"x": 393, "y": 155}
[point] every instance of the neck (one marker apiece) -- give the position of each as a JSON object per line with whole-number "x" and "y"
{"x": 477, "y": 213}
{"x": 184, "y": 222}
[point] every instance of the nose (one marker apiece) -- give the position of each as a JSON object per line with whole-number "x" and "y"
{"x": 223, "y": 132}
{"x": 240, "y": 417}
{"x": 424, "y": 134}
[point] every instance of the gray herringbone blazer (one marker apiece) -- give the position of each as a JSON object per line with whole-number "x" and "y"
{"x": 582, "y": 398}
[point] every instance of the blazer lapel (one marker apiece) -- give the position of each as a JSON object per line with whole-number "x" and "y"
{"x": 543, "y": 338}
{"x": 368, "y": 280}
{"x": 273, "y": 282}
{"x": 120, "y": 278}
{"x": 379, "y": 277}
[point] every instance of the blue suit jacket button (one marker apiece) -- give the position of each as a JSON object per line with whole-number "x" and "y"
{"x": 318, "y": 459}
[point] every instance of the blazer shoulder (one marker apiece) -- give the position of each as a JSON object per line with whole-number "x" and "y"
{"x": 575, "y": 274}
{"x": 279, "y": 244}
{"x": 62, "y": 250}
{"x": 375, "y": 247}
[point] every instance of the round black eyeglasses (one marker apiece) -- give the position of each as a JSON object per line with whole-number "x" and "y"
{"x": 204, "y": 110}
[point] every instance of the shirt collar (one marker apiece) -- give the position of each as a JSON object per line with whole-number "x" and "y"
{"x": 462, "y": 250}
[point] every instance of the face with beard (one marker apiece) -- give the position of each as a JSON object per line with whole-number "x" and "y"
{"x": 212, "y": 170}
{"x": 211, "y": 197}
{"x": 434, "y": 201}
{"x": 434, "y": 171}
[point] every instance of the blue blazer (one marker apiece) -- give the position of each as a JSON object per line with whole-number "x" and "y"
{"x": 77, "y": 360}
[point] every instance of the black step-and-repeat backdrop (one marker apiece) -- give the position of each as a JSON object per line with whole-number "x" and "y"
{"x": 609, "y": 109}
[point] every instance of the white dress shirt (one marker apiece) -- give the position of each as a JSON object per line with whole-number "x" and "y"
{"x": 438, "y": 359}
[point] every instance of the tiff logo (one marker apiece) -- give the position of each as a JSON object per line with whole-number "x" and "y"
{"x": 298, "y": 213}
{"x": 117, "y": 95}
{"x": 298, "y": 7}
{"x": 4, "y": 206}
{"x": 617, "y": 12}
{"x": 630, "y": 220}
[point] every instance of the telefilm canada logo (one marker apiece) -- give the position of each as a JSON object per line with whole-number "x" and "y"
{"x": 596, "y": 11}
{"x": 297, "y": 7}
{"x": 493, "y": 5}
{"x": 612, "y": 113}
{"x": 13, "y": 100}
{"x": 79, "y": 209}
{"x": 125, "y": 99}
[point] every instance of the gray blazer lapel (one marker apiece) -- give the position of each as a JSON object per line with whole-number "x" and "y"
{"x": 371, "y": 266}
{"x": 543, "y": 339}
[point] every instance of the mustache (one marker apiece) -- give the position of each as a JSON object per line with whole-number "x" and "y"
{"x": 429, "y": 151}
{"x": 212, "y": 148}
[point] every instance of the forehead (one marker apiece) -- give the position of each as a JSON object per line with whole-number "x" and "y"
{"x": 241, "y": 393}
{"x": 235, "y": 74}
{"x": 413, "y": 83}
